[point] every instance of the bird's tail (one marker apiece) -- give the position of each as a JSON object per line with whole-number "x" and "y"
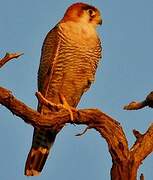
{"x": 42, "y": 142}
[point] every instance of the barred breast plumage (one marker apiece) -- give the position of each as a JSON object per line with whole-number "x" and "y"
{"x": 72, "y": 69}
{"x": 69, "y": 59}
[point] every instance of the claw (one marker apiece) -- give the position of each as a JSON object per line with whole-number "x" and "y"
{"x": 64, "y": 104}
{"x": 68, "y": 107}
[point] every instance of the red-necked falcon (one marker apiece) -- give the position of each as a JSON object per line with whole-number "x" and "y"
{"x": 69, "y": 58}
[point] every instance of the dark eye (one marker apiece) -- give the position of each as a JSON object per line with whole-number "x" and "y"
{"x": 91, "y": 12}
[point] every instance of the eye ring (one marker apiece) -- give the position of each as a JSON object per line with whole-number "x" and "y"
{"x": 91, "y": 12}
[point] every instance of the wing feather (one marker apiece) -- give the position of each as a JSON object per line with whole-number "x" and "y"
{"x": 48, "y": 58}
{"x": 49, "y": 54}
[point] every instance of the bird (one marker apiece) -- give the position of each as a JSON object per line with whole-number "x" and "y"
{"x": 69, "y": 58}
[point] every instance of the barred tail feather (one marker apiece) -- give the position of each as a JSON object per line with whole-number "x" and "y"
{"x": 42, "y": 142}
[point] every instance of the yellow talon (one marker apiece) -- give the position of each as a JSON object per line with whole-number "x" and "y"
{"x": 67, "y": 107}
{"x": 63, "y": 105}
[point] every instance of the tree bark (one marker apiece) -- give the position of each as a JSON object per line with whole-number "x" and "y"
{"x": 125, "y": 161}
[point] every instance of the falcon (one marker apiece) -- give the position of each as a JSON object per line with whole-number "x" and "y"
{"x": 69, "y": 58}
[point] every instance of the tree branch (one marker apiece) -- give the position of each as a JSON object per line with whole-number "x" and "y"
{"x": 142, "y": 148}
{"x": 125, "y": 161}
{"x": 9, "y": 57}
{"x": 139, "y": 105}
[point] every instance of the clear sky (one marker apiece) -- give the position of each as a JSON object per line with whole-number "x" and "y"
{"x": 125, "y": 74}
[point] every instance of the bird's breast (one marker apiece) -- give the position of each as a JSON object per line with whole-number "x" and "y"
{"x": 74, "y": 67}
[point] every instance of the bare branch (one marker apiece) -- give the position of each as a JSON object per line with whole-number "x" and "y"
{"x": 143, "y": 146}
{"x": 139, "y": 105}
{"x": 135, "y": 105}
{"x": 91, "y": 117}
{"x": 80, "y": 134}
{"x": 8, "y": 57}
{"x": 125, "y": 161}
{"x": 27, "y": 114}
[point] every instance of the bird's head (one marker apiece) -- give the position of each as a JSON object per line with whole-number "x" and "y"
{"x": 83, "y": 13}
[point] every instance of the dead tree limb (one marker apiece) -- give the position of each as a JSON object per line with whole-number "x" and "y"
{"x": 139, "y": 105}
{"x": 125, "y": 161}
{"x": 8, "y": 57}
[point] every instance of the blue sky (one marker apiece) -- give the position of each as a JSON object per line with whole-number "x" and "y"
{"x": 124, "y": 74}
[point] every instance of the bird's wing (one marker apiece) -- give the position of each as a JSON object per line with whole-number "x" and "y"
{"x": 48, "y": 53}
{"x": 43, "y": 139}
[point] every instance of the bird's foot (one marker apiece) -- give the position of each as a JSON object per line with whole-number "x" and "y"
{"x": 46, "y": 102}
{"x": 66, "y": 106}
{"x": 63, "y": 105}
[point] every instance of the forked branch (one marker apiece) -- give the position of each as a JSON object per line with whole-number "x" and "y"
{"x": 125, "y": 161}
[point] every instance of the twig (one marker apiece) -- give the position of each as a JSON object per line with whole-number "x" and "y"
{"x": 139, "y": 105}
{"x": 8, "y": 57}
{"x": 135, "y": 105}
{"x": 85, "y": 130}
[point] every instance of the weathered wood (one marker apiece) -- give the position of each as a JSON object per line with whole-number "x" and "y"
{"x": 139, "y": 105}
{"x": 8, "y": 57}
{"x": 125, "y": 161}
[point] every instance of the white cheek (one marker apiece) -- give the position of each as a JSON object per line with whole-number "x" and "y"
{"x": 80, "y": 30}
{"x": 88, "y": 30}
